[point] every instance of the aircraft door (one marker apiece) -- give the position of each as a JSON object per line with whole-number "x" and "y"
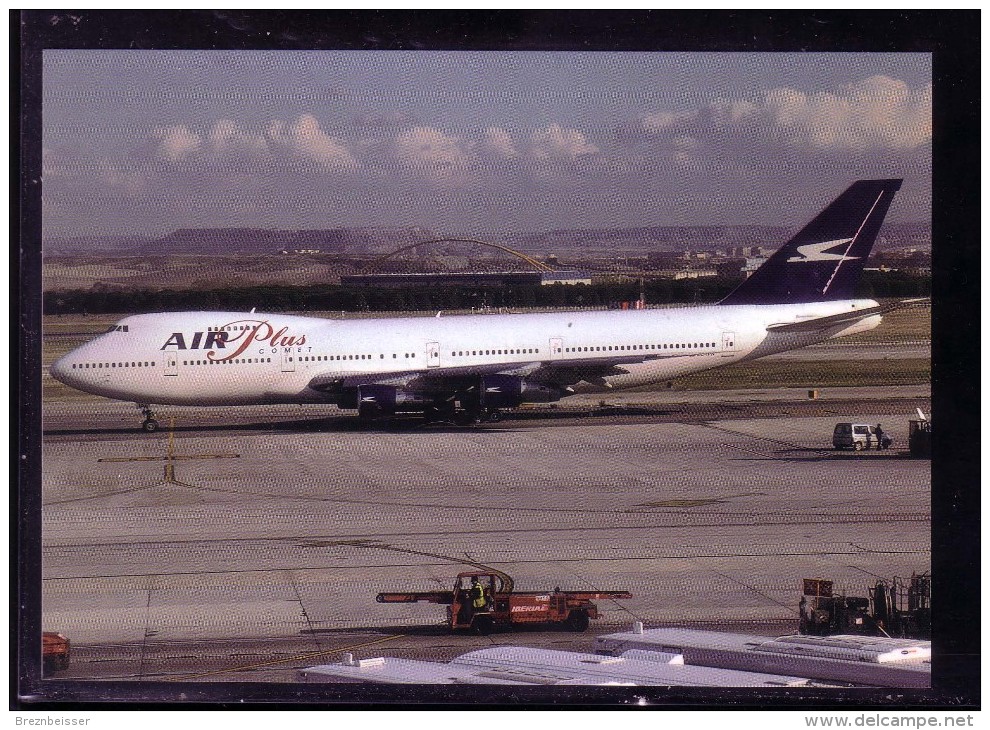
{"x": 728, "y": 343}
{"x": 171, "y": 363}
{"x": 432, "y": 354}
{"x": 556, "y": 348}
{"x": 288, "y": 360}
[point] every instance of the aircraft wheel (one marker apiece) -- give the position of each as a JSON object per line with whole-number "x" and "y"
{"x": 150, "y": 425}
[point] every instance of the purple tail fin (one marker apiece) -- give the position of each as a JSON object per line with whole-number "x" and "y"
{"x": 824, "y": 261}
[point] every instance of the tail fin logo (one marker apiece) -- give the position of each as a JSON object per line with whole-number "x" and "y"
{"x": 817, "y": 252}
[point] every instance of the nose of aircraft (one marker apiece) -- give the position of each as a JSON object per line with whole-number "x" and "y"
{"x": 60, "y": 369}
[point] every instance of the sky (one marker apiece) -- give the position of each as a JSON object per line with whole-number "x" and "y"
{"x": 482, "y": 144}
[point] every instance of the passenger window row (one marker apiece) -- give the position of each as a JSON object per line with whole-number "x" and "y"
{"x": 381, "y": 356}
{"x": 504, "y": 351}
{"x": 673, "y": 346}
{"x": 88, "y": 365}
{"x": 241, "y": 361}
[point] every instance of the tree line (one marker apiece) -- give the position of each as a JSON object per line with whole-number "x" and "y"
{"x": 874, "y": 284}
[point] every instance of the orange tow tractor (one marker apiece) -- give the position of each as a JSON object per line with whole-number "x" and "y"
{"x": 505, "y": 607}
{"x": 55, "y": 652}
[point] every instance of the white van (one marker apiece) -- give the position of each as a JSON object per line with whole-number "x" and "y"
{"x": 858, "y": 436}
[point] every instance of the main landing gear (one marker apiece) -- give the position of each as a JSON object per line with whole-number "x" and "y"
{"x": 469, "y": 417}
{"x": 448, "y": 413}
{"x": 149, "y": 424}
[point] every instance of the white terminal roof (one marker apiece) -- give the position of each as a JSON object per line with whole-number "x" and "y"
{"x": 862, "y": 660}
{"x": 630, "y": 668}
{"x": 665, "y": 657}
{"x": 528, "y": 666}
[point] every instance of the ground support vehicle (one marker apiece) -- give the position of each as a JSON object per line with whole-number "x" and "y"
{"x": 504, "y": 607}
{"x": 55, "y": 652}
{"x": 920, "y": 438}
{"x": 859, "y": 436}
{"x": 894, "y": 608}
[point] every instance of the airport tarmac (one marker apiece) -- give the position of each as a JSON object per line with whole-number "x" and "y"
{"x": 263, "y": 546}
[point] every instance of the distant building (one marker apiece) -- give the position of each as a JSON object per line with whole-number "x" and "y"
{"x": 752, "y": 264}
{"x": 510, "y": 278}
{"x": 467, "y": 278}
{"x": 695, "y": 273}
{"x": 565, "y": 277}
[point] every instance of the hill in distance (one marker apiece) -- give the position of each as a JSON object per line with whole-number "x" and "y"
{"x": 381, "y": 240}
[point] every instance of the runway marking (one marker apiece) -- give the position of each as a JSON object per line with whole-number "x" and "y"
{"x": 169, "y": 458}
{"x": 746, "y": 519}
{"x": 699, "y": 502}
{"x": 764, "y": 455}
{"x": 788, "y": 444}
{"x": 590, "y": 586}
{"x": 168, "y": 477}
{"x": 302, "y": 607}
{"x": 515, "y": 561}
{"x": 683, "y": 503}
{"x": 147, "y": 630}
{"x": 507, "y": 582}
{"x": 299, "y": 658}
{"x": 170, "y": 454}
{"x": 751, "y": 588}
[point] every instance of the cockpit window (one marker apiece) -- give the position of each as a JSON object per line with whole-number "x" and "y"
{"x": 117, "y": 328}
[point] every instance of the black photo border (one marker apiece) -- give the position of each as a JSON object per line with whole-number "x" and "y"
{"x": 952, "y": 37}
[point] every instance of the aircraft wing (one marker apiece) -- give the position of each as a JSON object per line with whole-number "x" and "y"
{"x": 449, "y": 379}
{"x": 419, "y": 380}
{"x": 575, "y": 371}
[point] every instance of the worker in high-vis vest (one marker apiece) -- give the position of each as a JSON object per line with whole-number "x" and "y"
{"x": 477, "y": 594}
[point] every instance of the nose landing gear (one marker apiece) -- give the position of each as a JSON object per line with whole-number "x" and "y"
{"x": 149, "y": 424}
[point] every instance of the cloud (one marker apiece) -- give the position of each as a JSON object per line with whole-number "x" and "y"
{"x": 225, "y": 139}
{"x": 874, "y": 114}
{"x": 304, "y": 140}
{"x": 225, "y": 148}
{"x": 428, "y": 150}
{"x": 225, "y": 144}
{"x": 661, "y": 121}
{"x": 176, "y": 143}
{"x": 557, "y": 143}
{"x": 496, "y": 142}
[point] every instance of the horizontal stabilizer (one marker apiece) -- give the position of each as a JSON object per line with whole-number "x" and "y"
{"x": 823, "y": 323}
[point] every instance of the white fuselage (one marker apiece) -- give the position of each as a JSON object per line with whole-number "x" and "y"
{"x": 225, "y": 358}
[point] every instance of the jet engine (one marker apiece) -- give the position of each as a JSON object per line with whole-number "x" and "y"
{"x": 386, "y": 400}
{"x": 508, "y": 391}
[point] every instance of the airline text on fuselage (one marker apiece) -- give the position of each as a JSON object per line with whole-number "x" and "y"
{"x": 239, "y": 335}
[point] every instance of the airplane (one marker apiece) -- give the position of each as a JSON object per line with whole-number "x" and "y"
{"x": 470, "y": 368}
